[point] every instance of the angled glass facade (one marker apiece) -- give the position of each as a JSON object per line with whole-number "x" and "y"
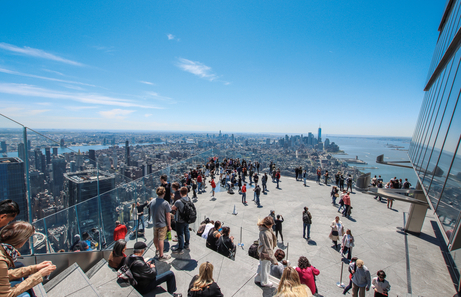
{"x": 434, "y": 150}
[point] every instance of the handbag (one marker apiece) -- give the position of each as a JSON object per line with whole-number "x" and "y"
{"x": 124, "y": 274}
{"x": 334, "y": 233}
{"x": 336, "y": 195}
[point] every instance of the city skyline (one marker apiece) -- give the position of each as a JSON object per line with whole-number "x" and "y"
{"x": 188, "y": 67}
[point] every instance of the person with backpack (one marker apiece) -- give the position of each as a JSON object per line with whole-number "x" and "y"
{"x": 145, "y": 273}
{"x": 349, "y": 183}
{"x": 185, "y": 215}
{"x": 307, "y": 222}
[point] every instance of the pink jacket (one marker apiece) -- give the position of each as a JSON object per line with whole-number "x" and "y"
{"x": 306, "y": 276}
{"x": 347, "y": 200}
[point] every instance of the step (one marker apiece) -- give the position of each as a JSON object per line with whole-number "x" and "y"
{"x": 104, "y": 279}
{"x": 70, "y": 282}
{"x": 39, "y": 290}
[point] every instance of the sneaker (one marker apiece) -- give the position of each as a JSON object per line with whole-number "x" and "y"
{"x": 175, "y": 240}
{"x": 165, "y": 257}
{"x": 177, "y": 295}
{"x": 187, "y": 247}
{"x": 269, "y": 285}
{"x": 178, "y": 252}
{"x": 157, "y": 253}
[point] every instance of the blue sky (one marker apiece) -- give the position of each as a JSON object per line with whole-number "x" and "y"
{"x": 355, "y": 67}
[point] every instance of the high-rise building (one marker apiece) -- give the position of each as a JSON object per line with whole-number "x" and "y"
{"x": 48, "y": 155}
{"x": 55, "y": 151}
{"x": 127, "y": 153}
{"x": 59, "y": 168}
{"x": 435, "y": 151}
{"x": 13, "y": 184}
{"x": 21, "y": 151}
{"x": 62, "y": 144}
{"x": 92, "y": 157}
{"x": 82, "y": 185}
{"x": 319, "y": 139}
{"x": 72, "y": 166}
{"x": 3, "y": 147}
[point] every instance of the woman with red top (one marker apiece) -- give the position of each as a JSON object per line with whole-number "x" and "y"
{"x": 307, "y": 273}
{"x": 213, "y": 187}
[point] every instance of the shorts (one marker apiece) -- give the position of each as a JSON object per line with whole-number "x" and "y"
{"x": 160, "y": 233}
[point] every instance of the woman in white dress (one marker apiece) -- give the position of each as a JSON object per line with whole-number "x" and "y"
{"x": 337, "y": 231}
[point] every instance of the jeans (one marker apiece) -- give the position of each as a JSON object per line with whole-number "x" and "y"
{"x": 346, "y": 210}
{"x": 263, "y": 272}
{"x": 305, "y": 181}
{"x": 135, "y": 224}
{"x": 257, "y": 199}
{"x": 182, "y": 229}
{"x": 348, "y": 251}
{"x": 244, "y": 197}
{"x": 278, "y": 183}
{"x": 308, "y": 227}
{"x": 14, "y": 283}
{"x": 346, "y": 289}
{"x": 199, "y": 187}
{"x": 277, "y": 234}
{"x": 341, "y": 206}
{"x": 167, "y": 277}
{"x": 141, "y": 218}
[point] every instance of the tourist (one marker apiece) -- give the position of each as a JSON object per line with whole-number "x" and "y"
{"x": 390, "y": 202}
{"x": 337, "y": 231}
{"x": 244, "y": 193}
{"x": 160, "y": 209}
{"x": 341, "y": 201}
{"x": 334, "y": 194}
{"x": 290, "y": 285}
{"x": 145, "y": 273}
{"x": 347, "y": 204}
{"x": 9, "y": 209}
{"x": 140, "y": 208}
{"x": 361, "y": 281}
{"x": 337, "y": 175}
{"x": 296, "y": 173}
{"x": 272, "y": 215}
{"x": 305, "y": 177}
{"x": 351, "y": 270}
{"x": 277, "y": 177}
{"x": 326, "y": 177}
{"x": 307, "y": 273}
{"x": 134, "y": 217}
{"x": 374, "y": 181}
{"x": 213, "y": 187}
{"x": 199, "y": 183}
{"x": 347, "y": 244}
{"x": 166, "y": 185}
{"x": 278, "y": 227}
{"x": 12, "y": 238}
{"x": 176, "y": 195}
{"x": 307, "y": 222}
{"x": 182, "y": 227}
{"x": 203, "y": 284}
{"x": 120, "y": 231}
{"x": 117, "y": 256}
{"x": 256, "y": 178}
{"x": 380, "y": 186}
{"x": 267, "y": 243}
{"x": 208, "y": 225}
{"x": 194, "y": 188}
{"x": 380, "y": 285}
{"x": 264, "y": 182}
{"x": 225, "y": 244}
{"x": 341, "y": 182}
{"x": 213, "y": 236}
{"x": 277, "y": 270}
{"x": 349, "y": 182}
{"x": 257, "y": 191}
{"x": 319, "y": 173}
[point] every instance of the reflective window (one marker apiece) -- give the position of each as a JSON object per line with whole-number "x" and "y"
{"x": 450, "y": 201}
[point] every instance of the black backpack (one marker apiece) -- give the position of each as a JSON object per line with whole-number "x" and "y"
{"x": 189, "y": 213}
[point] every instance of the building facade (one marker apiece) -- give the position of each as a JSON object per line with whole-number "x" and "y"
{"x": 434, "y": 150}
{"x": 13, "y": 184}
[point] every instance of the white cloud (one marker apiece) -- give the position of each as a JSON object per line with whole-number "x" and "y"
{"x": 75, "y": 108}
{"x": 171, "y": 36}
{"x": 147, "y": 83}
{"x": 107, "y": 49}
{"x": 44, "y": 103}
{"x": 33, "y": 52}
{"x": 4, "y": 70}
{"x": 38, "y": 111}
{"x": 196, "y": 68}
{"x": 148, "y": 115}
{"x": 52, "y": 71}
{"x": 30, "y": 90}
{"x": 162, "y": 98}
{"x": 117, "y": 113}
{"x": 74, "y": 87}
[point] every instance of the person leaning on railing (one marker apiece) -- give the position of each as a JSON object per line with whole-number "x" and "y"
{"x": 12, "y": 238}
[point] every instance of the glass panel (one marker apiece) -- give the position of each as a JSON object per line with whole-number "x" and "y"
{"x": 89, "y": 223}
{"x": 449, "y": 206}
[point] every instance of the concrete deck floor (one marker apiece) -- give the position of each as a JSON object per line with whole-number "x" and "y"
{"x": 376, "y": 229}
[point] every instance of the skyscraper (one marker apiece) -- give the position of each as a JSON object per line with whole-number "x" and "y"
{"x": 48, "y": 155}
{"x": 59, "y": 168}
{"x": 92, "y": 157}
{"x": 127, "y": 153}
{"x": 55, "y": 151}
{"x": 320, "y": 135}
{"x": 13, "y": 184}
{"x": 21, "y": 151}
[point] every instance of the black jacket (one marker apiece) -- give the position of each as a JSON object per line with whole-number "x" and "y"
{"x": 142, "y": 271}
{"x": 212, "y": 290}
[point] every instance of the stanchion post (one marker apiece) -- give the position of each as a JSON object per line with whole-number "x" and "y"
{"x": 288, "y": 247}
{"x": 340, "y": 283}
